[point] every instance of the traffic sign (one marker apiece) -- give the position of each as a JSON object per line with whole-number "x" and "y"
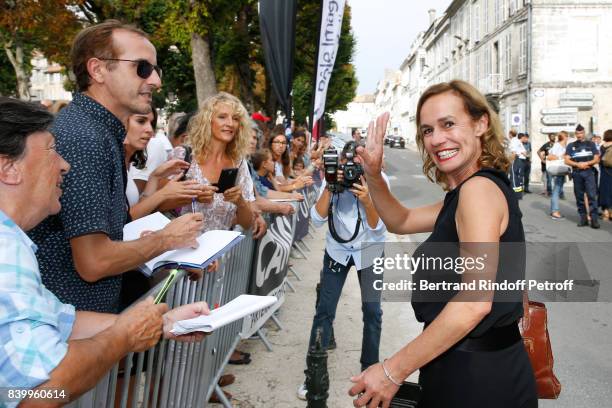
{"x": 517, "y": 119}
{"x": 579, "y": 104}
{"x": 577, "y": 96}
{"x": 559, "y": 111}
{"x": 560, "y": 119}
{"x": 556, "y": 129}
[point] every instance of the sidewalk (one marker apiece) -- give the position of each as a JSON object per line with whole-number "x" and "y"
{"x": 272, "y": 378}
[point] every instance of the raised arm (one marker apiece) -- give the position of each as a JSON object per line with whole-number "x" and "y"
{"x": 397, "y": 218}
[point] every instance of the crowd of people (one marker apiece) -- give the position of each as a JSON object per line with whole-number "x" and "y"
{"x": 583, "y": 161}
{"x": 70, "y": 182}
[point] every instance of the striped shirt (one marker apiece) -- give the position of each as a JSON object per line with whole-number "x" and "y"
{"x": 34, "y": 324}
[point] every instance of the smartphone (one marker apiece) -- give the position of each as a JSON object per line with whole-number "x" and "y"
{"x": 227, "y": 179}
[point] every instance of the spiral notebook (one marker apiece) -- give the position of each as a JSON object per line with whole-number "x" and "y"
{"x": 238, "y": 308}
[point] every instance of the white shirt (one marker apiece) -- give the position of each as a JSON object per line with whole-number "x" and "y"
{"x": 517, "y": 148}
{"x": 131, "y": 190}
{"x": 158, "y": 152}
{"x": 557, "y": 150}
{"x": 369, "y": 243}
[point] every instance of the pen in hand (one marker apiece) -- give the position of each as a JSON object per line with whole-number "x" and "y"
{"x": 193, "y": 205}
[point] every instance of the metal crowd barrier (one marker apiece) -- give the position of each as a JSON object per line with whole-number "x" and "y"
{"x": 174, "y": 374}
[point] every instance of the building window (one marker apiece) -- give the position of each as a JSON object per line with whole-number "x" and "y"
{"x": 508, "y": 56}
{"x": 485, "y": 17}
{"x": 498, "y": 12}
{"x": 523, "y": 49}
{"x": 487, "y": 61}
{"x": 477, "y": 67}
{"x": 476, "y": 22}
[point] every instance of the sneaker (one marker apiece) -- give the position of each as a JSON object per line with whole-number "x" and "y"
{"x": 301, "y": 392}
{"x": 594, "y": 224}
{"x": 583, "y": 222}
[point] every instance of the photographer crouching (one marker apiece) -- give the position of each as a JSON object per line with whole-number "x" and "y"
{"x": 355, "y": 237}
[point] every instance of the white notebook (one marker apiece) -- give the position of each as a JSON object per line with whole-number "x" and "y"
{"x": 238, "y": 308}
{"x": 212, "y": 245}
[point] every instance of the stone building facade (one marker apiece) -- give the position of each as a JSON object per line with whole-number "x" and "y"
{"x": 545, "y": 65}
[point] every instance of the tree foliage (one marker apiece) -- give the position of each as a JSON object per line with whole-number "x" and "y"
{"x": 231, "y": 28}
{"x": 26, "y": 25}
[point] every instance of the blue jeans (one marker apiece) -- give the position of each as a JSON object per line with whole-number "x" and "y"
{"x": 557, "y": 189}
{"x": 333, "y": 277}
{"x": 549, "y": 182}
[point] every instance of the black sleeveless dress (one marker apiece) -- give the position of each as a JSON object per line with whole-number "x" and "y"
{"x": 482, "y": 379}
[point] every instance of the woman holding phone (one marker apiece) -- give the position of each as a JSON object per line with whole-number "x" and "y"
{"x": 219, "y": 137}
{"x": 159, "y": 193}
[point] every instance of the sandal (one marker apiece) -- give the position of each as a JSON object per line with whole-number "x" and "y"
{"x": 245, "y": 358}
{"x": 226, "y": 379}
{"x": 215, "y": 399}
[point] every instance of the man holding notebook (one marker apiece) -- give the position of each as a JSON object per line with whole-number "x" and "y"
{"x": 80, "y": 250}
{"x": 46, "y": 343}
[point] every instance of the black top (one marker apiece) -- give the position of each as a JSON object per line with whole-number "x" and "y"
{"x": 444, "y": 242}
{"x": 90, "y": 138}
{"x": 545, "y": 148}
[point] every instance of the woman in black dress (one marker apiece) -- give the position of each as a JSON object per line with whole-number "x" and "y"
{"x": 605, "y": 179}
{"x": 470, "y": 353}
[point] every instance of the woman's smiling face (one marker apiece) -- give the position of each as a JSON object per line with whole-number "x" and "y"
{"x": 451, "y": 137}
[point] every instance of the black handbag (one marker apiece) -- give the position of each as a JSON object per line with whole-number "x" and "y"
{"x": 408, "y": 396}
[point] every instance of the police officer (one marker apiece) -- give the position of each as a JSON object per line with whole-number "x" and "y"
{"x": 583, "y": 155}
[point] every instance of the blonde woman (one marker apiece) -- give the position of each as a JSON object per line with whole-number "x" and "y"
{"x": 219, "y": 136}
{"x": 470, "y": 353}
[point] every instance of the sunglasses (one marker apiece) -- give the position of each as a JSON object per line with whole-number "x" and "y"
{"x": 144, "y": 68}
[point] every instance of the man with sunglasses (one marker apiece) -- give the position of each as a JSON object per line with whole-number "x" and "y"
{"x": 81, "y": 253}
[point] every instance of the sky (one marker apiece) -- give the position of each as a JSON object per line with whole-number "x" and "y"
{"x": 384, "y": 30}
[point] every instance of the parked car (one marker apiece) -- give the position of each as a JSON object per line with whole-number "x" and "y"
{"x": 387, "y": 139}
{"x": 397, "y": 141}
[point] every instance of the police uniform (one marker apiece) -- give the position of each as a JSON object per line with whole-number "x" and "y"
{"x": 584, "y": 180}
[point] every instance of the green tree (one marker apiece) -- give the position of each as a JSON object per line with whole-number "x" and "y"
{"x": 25, "y": 25}
{"x": 8, "y": 82}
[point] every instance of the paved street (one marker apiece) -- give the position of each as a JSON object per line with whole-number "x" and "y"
{"x": 581, "y": 333}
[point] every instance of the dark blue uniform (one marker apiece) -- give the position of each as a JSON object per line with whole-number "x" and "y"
{"x": 584, "y": 180}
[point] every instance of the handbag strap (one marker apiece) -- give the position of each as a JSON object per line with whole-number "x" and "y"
{"x": 525, "y": 322}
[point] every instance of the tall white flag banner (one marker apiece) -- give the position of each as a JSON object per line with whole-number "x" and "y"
{"x": 329, "y": 38}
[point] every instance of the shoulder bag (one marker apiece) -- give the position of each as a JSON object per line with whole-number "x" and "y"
{"x": 557, "y": 167}
{"x": 607, "y": 157}
{"x": 534, "y": 329}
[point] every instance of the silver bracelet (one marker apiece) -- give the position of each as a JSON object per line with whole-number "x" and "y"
{"x": 399, "y": 384}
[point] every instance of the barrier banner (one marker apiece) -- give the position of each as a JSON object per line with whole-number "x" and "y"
{"x": 271, "y": 256}
{"x": 302, "y": 216}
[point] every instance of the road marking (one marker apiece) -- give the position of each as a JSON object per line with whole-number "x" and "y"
{"x": 392, "y": 178}
{"x": 419, "y": 176}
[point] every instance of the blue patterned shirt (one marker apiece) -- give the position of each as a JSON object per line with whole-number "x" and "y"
{"x": 90, "y": 138}
{"x": 34, "y": 324}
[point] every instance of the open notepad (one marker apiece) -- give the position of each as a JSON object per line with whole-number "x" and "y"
{"x": 212, "y": 245}
{"x": 238, "y": 308}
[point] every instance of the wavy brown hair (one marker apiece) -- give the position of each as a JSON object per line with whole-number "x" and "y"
{"x": 199, "y": 131}
{"x": 493, "y": 154}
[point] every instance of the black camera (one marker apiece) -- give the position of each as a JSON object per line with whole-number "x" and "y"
{"x": 352, "y": 171}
